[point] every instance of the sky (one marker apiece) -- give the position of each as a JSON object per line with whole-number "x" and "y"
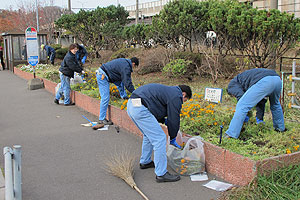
{"x": 6, "y": 4}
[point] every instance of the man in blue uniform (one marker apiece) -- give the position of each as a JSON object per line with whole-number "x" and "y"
{"x": 68, "y": 66}
{"x": 50, "y": 52}
{"x": 148, "y": 105}
{"x": 260, "y": 107}
{"x": 81, "y": 54}
{"x": 252, "y": 86}
{"x": 117, "y": 71}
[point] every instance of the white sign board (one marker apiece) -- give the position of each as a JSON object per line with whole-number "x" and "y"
{"x": 32, "y": 47}
{"x": 213, "y": 95}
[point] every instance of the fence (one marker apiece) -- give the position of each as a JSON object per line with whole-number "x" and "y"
{"x": 12, "y": 169}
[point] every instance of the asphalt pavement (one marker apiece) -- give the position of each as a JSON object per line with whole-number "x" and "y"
{"x": 62, "y": 160}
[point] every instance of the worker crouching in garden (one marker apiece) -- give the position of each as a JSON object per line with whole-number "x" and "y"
{"x": 251, "y": 87}
{"x": 50, "y": 52}
{"x": 117, "y": 71}
{"x": 68, "y": 66}
{"x": 149, "y": 105}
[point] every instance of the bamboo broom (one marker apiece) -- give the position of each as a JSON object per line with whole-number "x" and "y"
{"x": 121, "y": 165}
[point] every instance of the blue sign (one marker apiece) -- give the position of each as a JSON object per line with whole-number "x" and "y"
{"x": 33, "y": 60}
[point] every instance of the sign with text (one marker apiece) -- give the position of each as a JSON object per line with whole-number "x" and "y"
{"x": 32, "y": 47}
{"x": 213, "y": 95}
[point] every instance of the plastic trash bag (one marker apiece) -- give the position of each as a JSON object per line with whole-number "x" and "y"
{"x": 77, "y": 79}
{"x": 189, "y": 160}
{"x": 57, "y": 88}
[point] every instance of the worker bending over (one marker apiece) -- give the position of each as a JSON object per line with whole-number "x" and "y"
{"x": 149, "y": 105}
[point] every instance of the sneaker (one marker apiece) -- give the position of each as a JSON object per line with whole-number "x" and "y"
{"x": 97, "y": 126}
{"x": 225, "y": 136}
{"x": 56, "y": 101}
{"x": 105, "y": 122}
{"x": 146, "y": 166}
{"x": 70, "y": 104}
{"x": 167, "y": 178}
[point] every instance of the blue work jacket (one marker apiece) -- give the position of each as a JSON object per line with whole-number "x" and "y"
{"x": 119, "y": 70}
{"x": 162, "y": 101}
{"x": 243, "y": 81}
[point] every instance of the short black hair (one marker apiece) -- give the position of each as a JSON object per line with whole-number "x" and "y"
{"x": 187, "y": 90}
{"x": 135, "y": 60}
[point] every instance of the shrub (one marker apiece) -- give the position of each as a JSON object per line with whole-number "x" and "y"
{"x": 56, "y": 46}
{"x": 60, "y": 53}
{"x": 177, "y": 68}
{"x": 122, "y": 53}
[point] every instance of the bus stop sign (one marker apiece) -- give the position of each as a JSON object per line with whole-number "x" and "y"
{"x": 32, "y": 46}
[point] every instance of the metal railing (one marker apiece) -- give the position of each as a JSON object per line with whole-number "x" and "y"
{"x": 12, "y": 170}
{"x": 293, "y": 94}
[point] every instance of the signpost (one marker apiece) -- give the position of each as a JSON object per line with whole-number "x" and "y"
{"x": 32, "y": 47}
{"x": 213, "y": 95}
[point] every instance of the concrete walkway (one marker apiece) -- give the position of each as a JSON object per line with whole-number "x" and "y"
{"x": 62, "y": 160}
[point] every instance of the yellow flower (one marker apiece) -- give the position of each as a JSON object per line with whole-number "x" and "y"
{"x": 296, "y": 147}
{"x": 254, "y": 152}
{"x": 288, "y": 151}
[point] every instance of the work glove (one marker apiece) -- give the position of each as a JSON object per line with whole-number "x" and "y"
{"x": 258, "y": 121}
{"x": 83, "y": 59}
{"x": 246, "y": 119}
{"x": 174, "y": 143}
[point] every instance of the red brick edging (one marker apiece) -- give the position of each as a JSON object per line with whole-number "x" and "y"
{"x": 223, "y": 163}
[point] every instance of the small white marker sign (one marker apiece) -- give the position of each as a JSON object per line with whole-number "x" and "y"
{"x": 213, "y": 95}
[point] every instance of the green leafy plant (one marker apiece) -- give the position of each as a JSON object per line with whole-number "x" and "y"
{"x": 177, "y": 68}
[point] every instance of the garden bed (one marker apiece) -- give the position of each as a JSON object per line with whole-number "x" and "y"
{"x": 232, "y": 167}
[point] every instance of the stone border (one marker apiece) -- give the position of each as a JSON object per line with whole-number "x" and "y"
{"x": 223, "y": 163}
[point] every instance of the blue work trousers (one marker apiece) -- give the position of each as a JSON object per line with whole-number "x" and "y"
{"x": 64, "y": 89}
{"x": 154, "y": 137}
{"x": 268, "y": 86}
{"x": 103, "y": 85}
{"x": 52, "y": 57}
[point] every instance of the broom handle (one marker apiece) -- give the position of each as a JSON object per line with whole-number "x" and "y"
{"x": 141, "y": 193}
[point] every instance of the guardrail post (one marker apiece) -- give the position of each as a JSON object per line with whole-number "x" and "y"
{"x": 17, "y": 172}
{"x": 9, "y": 192}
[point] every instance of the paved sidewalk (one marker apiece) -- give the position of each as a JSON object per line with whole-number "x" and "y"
{"x": 2, "y": 185}
{"x": 61, "y": 160}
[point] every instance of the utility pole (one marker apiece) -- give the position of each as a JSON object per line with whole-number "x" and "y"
{"x": 137, "y": 12}
{"x": 69, "y": 5}
{"x": 37, "y": 16}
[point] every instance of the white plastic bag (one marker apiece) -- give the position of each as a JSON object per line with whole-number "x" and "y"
{"x": 57, "y": 88}
{"x": 77, "y": 79}
{"x": 189, "y": 160}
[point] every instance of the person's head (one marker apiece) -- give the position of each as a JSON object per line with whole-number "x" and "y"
{"x": 42, "y": 46}
{"x": 73, "y": 48}
{"x": 135, "y": 61}
{"x": 186, "y": 92}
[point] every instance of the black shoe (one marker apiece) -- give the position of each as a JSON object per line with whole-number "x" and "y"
{"x": 56, "y": 101}
{"x": 146, "y": 166}
{"x": 70, "y": 104}
{"x": 105, "y": 122}
{"x": 167, "y": 178}
{"x": 277, "y": 130}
